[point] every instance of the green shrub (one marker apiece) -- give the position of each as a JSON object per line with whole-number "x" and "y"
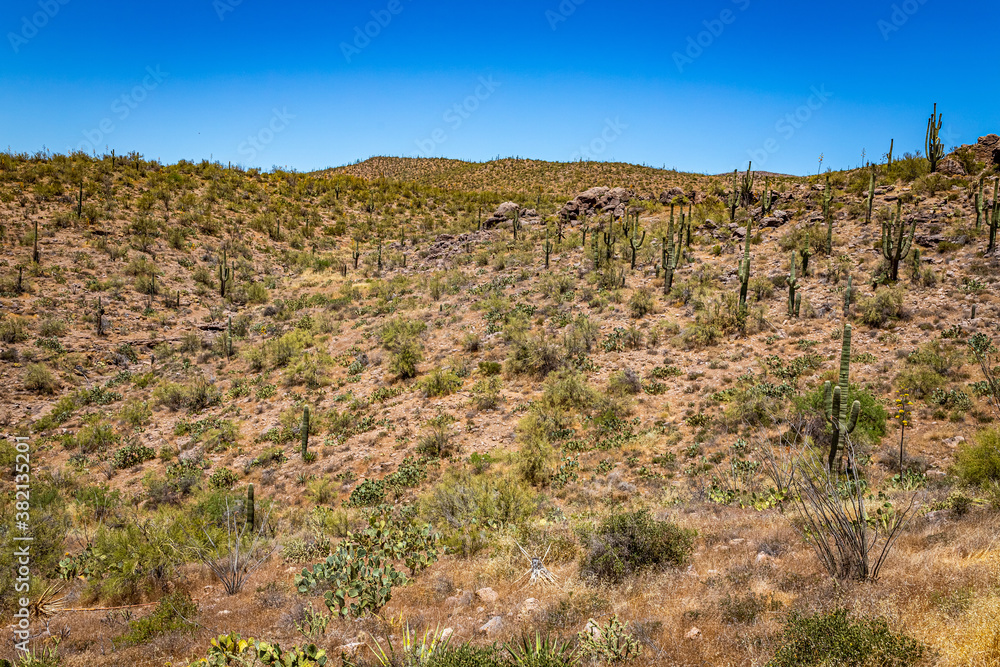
{"x": 486, "y": 393}
{"x": 13, "y": 329}
{"x": 136, "y": 413}
{"x": 833, "y": 638}
{"x": 490, "y": 368}
{"x": 919, "y": 381}
{"x": 641, "y": 303}
{"x": 627, "y": 543}
{"x": 38, "y": 377}
{"x": 884, "y": 306}
{"x": 978, "y": 463}
{"x": 441, "y": 382}
{"x": 172, "y": 613}
{"x": 405, "y": 358}
{"x": 400, "y": 331}
{"x": 468, "y": 655}
{"x": 132, "y": 455}
{"x": 94, "y": 438}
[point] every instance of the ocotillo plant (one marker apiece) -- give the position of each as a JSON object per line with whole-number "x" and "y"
{"x": 848, "y": 296}
{"x": 827, "y": 217}
{"x": 305, "y": 432}
{"x": 895, "y": 242}
{"x": 35, "y": 257}
{"x": 635, "y": 248}
{"x": 250, "y": 507}
{"x": 793, "y": 285}
{"x": 871, "y": 195}
{"x": 933, "y": 146}
{"x": 99, "y": 313}
{"x": 836, "y": 399}
{"x": 744, "y": 269}
{"x": 225, "y": 275}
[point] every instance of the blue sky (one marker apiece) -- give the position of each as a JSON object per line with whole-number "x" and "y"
{"x": 697, "y": 86}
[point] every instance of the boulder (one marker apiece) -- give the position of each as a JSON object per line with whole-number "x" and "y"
{"x": 693, "y": 633}
{"x": 492, "y": 627}
{"x": 951, "y": 167}
{"x": 595, "y": 201}
{"x": 671, "y": 194}
{"x": 487, "y": 595}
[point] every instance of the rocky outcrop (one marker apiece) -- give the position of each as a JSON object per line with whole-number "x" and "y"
{"x": 951, "y": 167}
{"x": 597, "y": 201}
{"x": 506, "y": 211}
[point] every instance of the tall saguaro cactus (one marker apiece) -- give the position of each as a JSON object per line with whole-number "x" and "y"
{"x": 794, "y": 299}
{"x": 827, "y": 217}
{"x": 836, "y": 399}
{"x": 672, "y": 251}
{"x": 994, "y": 217}
{"x": 35, "y": 256}
{"x": 871, "y": 195}
{"x": 250, "y": 507}
{"x": 848, "y": 296}
{"x": 635, "y": 248}
{"x": 933, "y": 146}
{"x": 979, "y": 205}
{"x": 896, "y": 242}
{"x": 225, "y": 275}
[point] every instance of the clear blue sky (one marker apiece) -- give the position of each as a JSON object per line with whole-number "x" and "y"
{"x": 265, "y": 83}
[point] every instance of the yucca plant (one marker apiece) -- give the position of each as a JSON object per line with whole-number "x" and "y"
{"x": 540, "y": 651}
{"x": 411, "y": 653}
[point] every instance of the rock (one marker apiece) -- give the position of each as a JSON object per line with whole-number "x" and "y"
{"x": 527, "y": 608}
{"x": 460, "y": 599}
{"x": 492, "y": 627}
{"x": 446, "y": 634}
{"x": 671, "y": 194}
{"x": 596, "y": 201}
{"x": 771, "y": 222}
{"x": 693, "y": 633}
{"x": 592, "y": 629}
{"x": 487, "y": 595}
{"x": 951, "y": 167}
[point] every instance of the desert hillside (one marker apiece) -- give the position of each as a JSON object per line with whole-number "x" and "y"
{"x": 416, "y": 373}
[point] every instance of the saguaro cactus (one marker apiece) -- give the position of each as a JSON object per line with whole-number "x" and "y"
{"x": 35, "y": 257}
{"x": 548, "y": 249}
{"x": 225, "y": 275}
{"x": 672, "y": 252}
{"x": 250, "y": 507}
{"x": 933, "y": 146}
{"x": 305, "y": 431}
{"x": 994, "y": 217}
{"x": 635, "y": 248}
{"x": 79, "y": 202}
{"x": 99, "y": 313}
{"x": 836, "y": 399}
{"x": 794, "y": 299}
{"x": 744, "y": 269}
{"x": 871, "y": 195}
{"x": 734, "y": 198}
{"x": 827, "y": 217}
{"x": 896, "y": 242}
{"x": 848, "y": 296}
{"x": 356, "y": 254}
